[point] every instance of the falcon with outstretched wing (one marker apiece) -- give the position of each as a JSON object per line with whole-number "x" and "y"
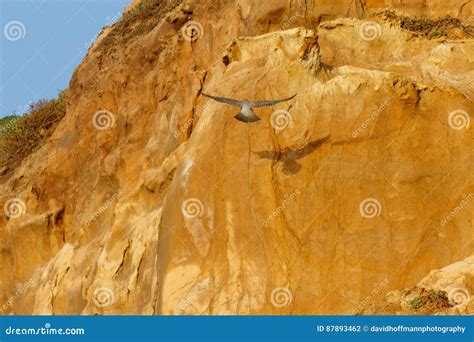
{"x": 246, "y": 114}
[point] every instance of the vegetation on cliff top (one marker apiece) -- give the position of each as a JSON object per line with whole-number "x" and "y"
{"x": 22, "y": 135}
{"x": 429, "y": 301}
{"x": 137, "y": 22}
{"x": 446, "y": 26}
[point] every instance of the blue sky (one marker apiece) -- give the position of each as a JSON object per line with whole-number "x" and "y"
{"x": 42, "y": 42}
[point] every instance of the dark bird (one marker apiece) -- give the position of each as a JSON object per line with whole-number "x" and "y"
{"x": 289, "y": 156}
{"x": 246, "y": 114}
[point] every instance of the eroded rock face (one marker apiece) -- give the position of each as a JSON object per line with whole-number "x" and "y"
{"x": 176, "y": 208}
{"x": 446, "y": 291}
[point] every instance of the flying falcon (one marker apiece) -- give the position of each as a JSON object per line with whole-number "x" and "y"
{"x": 246, "y": 114}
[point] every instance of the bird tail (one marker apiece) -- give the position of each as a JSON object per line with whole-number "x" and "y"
{"x": 247, "y": 118}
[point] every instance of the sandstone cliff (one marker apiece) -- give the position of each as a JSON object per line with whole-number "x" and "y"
{"x": 151, "y": 199}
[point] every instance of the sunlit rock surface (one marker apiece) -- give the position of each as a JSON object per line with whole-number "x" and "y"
{"x": 446, "y": 291}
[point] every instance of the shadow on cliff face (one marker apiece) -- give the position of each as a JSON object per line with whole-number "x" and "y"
{"x": 289, "y": 156}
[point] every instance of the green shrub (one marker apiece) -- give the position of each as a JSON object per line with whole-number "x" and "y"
{"x": 416, "y": 303}
{"x": 390, "y": 13}
{"x": 7, "y": 124}
{"x": 427, "y": 27}
{"x": 22, "y": 135}
{"x": 434, "y": 33}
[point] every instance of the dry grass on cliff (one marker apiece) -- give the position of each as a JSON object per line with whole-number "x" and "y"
{"x": 423, "y": 302}
{"x": 429, "y": 301}
{"x": 22, "y": 135}
{"x": 430, "y": 28}
{"x": 137, "y": 22}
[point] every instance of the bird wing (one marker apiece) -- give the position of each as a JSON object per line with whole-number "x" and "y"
{"x": 308, "y": 149}
{"x": 225, "y": 100}
{"x": 269, "y": 103}
{"x": 267, "y": 154}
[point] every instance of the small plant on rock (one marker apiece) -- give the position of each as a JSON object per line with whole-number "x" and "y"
{"x": 416, "y": 303}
